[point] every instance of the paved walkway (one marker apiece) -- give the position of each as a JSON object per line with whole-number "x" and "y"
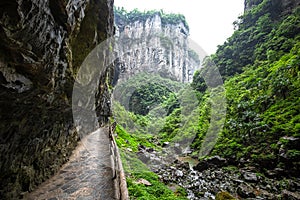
{"x": 88, "y": 174}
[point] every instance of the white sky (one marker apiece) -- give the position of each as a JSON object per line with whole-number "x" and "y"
{"x": 210, "y": 21}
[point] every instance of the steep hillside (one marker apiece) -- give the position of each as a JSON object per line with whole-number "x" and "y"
{"x": 260, "y": 63}
{"x": 257, "y": 154}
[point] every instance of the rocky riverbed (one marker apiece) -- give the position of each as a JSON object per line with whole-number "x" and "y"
{"x": 213, "y": 176}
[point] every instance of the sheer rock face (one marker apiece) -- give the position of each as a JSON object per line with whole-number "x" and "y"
{"x": 150, "y": 45}
{"x": 42, "y": 45}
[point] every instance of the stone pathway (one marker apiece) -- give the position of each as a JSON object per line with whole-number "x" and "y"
{"x": 88, "y": 175}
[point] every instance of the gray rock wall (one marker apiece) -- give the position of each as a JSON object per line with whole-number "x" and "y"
{"x": 149, "y": 45}
{"x": 42, "y": 45}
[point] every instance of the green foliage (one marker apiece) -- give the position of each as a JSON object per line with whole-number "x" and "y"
{"x": 171, "y": 126}
{"x": 293, "y": 154}
{"x": 261, "y": 35}
{"x": 146, "y": 88}
{"x": 199, "y": 82}
{"x": 148, "y": 96}
{"x": 194, "y": 56}
{"x": 135, "y": 169}
{"x": 203, "y": 122}
{"x": 132, "y": 141}
{"x": 263, "y": 107}
{"x": 157, "y": 190}
{"x": 262, "y": 91}
{"x": 175, "y": 116}
{"x": 260, "y": 64}
{"x": 136, "y": 15}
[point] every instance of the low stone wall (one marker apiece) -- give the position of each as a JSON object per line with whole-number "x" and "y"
{"x": 121, "y": 191}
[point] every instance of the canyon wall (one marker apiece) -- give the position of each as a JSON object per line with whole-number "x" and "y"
{"x": 154, "y": 42}
{"x": 42, "y": 45}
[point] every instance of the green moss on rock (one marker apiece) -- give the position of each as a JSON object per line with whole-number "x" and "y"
{"x": 224, "y": 196}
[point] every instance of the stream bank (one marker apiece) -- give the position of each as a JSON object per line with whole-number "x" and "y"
{"x": 213, "y": 176}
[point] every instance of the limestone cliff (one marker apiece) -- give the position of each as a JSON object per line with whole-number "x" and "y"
{"x": 42, "y": 45}
{"x": 153, "y": 41}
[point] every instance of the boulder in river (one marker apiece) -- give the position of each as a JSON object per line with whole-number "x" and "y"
{"x": 245, "y": 191}
{"x": 213, "y": 162}
{"x": 250, "y": 177}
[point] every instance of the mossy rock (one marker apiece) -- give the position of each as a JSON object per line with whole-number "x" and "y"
{"x": 224, "y": 196}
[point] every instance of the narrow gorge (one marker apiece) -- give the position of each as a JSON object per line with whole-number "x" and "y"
{"x": 164, "y": 124}
{"x": 157, "y": 114}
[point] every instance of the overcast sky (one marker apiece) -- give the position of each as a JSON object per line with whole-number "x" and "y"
{"x": 210, "y": 21}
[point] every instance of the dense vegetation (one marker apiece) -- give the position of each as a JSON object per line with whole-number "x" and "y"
{"x": 137, "y": 170}
{"x": 169, "y": 107}
{"x": 171, "y": 118}
{"x": 136, "y": 15}
{"x": 260, "y": 66}
{"x": 261, "y": 35}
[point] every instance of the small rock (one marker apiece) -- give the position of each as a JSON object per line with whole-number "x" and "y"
{"x": 250, "y": 177}
{"x": 290, "y": 195}
{"x": 150, "y": 150}
{"x": 201, "y": 166}
{"x": 143, "y": 157}
{"x": 245, "y": 191}
{"x": 266, "y": 195}
{"x": 217, "y": 161}
{"x": 275, "y": 173}
{"x": 144, "y": 182}
{"x": 179, "y": 173}
{"x": 237, "y": 181}
{"x": 141, "y": 147}
{"x": 165, "y": 144}
{"x": 212, "y": 162}
{"x": 183, "y": 165}
{"x": 176, "y": 145}
{"x": 156, "y": 161}
{"x": 177, "y": 148}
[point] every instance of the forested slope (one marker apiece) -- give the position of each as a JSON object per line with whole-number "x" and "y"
{"x": 260, "y": 66}
{"x": 257, "y": 153}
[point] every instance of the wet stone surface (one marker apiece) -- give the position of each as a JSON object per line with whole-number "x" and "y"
{"x": 242, "y": 183}
{"x": 87, "y": 175}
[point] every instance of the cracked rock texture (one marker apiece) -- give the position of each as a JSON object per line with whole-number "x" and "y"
{"x": 42, "y": 46}
{"x": 147, "y": 44}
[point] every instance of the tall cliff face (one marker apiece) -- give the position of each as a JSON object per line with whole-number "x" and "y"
{"x": 154, "y": 42}
{"x": 42, "y": 45}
